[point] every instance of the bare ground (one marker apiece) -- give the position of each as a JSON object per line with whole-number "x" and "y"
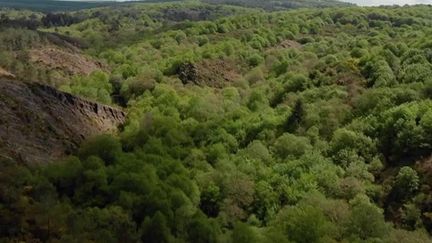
{"x": 39, "y": 123}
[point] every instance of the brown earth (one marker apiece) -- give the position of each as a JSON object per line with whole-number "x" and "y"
{"x": 214, "y": 73}
{"x": 39, "y": 124}
{"x": 6, "y": 74}
{"x": 290, "y": 44}
{"x": 66, "y": 60}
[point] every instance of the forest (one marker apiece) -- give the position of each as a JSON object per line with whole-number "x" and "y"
{"x": 48, "y": 6}
{"x": 243, "y": 125}
{"x": 273, "y": 5}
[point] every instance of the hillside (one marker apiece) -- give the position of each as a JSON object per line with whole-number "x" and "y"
{"x": 240, "y": 124}
{"x": 55, "y": 5}
{"x": 50, "y": 5}
{"x": 280, "y": 4}
{"x": 41, "y": 124}
{"x": 63, "y": 5}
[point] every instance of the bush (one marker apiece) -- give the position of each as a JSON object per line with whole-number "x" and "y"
{"x": 105, "y": 147}
{"x": 289, "y": 145}
{"x": 255, "y": 60}
{"x": 366, "y": 222}
{"x": 304, "y": 224}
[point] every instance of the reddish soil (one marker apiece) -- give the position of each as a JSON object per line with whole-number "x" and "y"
{"x": 68, "y": 61}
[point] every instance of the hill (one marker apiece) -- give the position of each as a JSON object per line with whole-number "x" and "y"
{"x": 56, "y": 5}
{"x": 280, "y": 4}
{"x": 242, "y": 124}
{"x": 41, "y": 124}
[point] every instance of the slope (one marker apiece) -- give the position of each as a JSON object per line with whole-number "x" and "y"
{"x": 40, "y": 123}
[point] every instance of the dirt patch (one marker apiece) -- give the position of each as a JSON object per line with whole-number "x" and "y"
{"x": 290, "y": 44}
{"x": 67, "y": 61}
{"x": 213, "y": 73}
{"x": 424, "y": 167}
{"x": 5, "y": 74}
{"x": 354, "y": 84}
{"x": 40, "y": 124}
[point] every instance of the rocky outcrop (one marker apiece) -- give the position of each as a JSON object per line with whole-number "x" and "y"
{"x": 69, "y": 61}
{"x": 39, "y": 123}
{"x": 213, "y": 73}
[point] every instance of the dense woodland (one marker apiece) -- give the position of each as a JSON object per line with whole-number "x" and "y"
{"x": 48, "y": 6}
{"x": 307, "y": 125}
{"x": 273, "y": 5}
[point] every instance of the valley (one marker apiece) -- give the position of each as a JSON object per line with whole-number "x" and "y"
{"x": 216, "y": 121}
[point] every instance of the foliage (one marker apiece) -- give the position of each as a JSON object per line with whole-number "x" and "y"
{"x": 312, "y": 125}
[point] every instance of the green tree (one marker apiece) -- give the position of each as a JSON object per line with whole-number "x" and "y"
{"x": 366, "y": 221}
{"x": 289, "y": 145}
{"x": 303, "y": 224}
{"x": 105, "y": 147}
{"x": 406, "y": 184}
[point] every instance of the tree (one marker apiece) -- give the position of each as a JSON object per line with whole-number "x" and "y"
{"x": 239, "y": 192}
{"x": 105, "y": 147}
{"x": 417, "y": 73}
{"x": 210, "y": 200}
{"x": 155, "y": 229}
{"x": 406, "y": 183}
{"x": 243, "y": 233}
{"x": 303, "y": 223}
{"x": 180, "y": 36}
{"x": 95, "y": 86}
{"x": 366, "y": 221}
{"x": 295, "y": 119}
{"x": 349, "y": 142}
{"x": 289, "y": 145}
{"x": 109, "y": 224}
{"x": 378, "y": 73}
{"x": 255, "y": 59}
{"x": 202, "y": 230}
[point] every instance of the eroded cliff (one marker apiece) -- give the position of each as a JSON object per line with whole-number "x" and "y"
{"x": 39, "y": 123}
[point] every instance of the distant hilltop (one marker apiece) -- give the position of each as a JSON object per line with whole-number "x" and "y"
{"x": 67, "y": 5}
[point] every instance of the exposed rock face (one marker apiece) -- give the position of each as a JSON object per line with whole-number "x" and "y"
{"x": 213, "y": 73}
{"x": 39, "y": 123}
{"x": 71, "y": 62}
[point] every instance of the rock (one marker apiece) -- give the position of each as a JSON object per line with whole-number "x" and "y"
{"x": 213, "y": 73}
{"x": 40, "y": 124}
{"x": 66, "y": 60}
